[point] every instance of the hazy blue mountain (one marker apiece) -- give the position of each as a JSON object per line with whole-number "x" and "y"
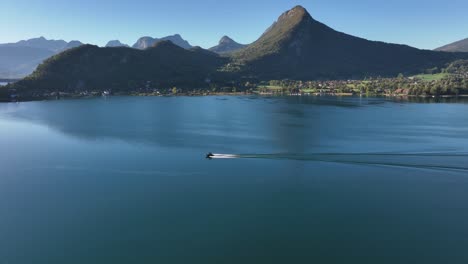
{"x": 21, "y": 58}
{"x": 17, "y": 62}
{"x": 39, "y": 43}
{"x": 115, "y": 43}
{"x": 226, "y": 45}
{"x": 73, "y": 44}
{"x": 146, "y": 42}
{"x": 459, "y": 46}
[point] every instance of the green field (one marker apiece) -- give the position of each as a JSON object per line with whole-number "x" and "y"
{"x": 431, "y": 77}
{"x": 309, "y": 90}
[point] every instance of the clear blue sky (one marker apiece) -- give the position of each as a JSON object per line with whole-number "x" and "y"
{"x": 419, "y": 23}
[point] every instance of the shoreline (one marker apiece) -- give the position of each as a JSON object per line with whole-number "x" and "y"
{"x": 77, "y": 96}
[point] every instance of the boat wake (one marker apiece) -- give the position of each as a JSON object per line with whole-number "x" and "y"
{"x": 427, "y": 160}
{"x": 225, "y": 156}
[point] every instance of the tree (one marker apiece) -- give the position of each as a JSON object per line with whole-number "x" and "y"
{"x": 435, "y": 90}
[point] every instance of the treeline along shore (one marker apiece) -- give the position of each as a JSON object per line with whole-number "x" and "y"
{"x": 451, "y": 81}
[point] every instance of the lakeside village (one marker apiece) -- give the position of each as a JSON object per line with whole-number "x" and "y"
{"x": 449, "y": 82}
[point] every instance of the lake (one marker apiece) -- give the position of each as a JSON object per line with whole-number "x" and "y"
{"x": 314, "y": 180}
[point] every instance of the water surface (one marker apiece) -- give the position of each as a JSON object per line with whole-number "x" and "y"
{"x": 325, "y": 180}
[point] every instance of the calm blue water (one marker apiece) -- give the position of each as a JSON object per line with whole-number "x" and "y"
{"x": 320, "y": 180}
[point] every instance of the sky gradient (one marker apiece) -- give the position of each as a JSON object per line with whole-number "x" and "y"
{"x": 422, "y": 24}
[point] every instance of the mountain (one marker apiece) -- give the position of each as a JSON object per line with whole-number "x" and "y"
{"x": 73, "y": 44}
{"x": 17, "y": 62}
{"x": 39, "y": 43}
{"x": 146, "y": 42}
{"x": 459, "y": 46}
{"x": 297, "y": 46}
{"x": 115, "y": 43}
{"x": 21, "y": 58}
{"x": 226, "y": 45}
{"x": 89, "y": 67}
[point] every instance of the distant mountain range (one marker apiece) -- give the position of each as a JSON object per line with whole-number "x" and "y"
{"x": 17, "y": 62}
{"x": 296, "y": 46}
{"x": 21, "y": 58}
{"x": 39, "y": 43}
{"x": 226, "y": 45}
{"x": 459, "y": 46}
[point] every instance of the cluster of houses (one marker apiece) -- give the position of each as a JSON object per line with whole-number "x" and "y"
{"x": 380, "y": 86}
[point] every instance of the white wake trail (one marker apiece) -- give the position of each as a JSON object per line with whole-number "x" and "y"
{"x": 225, "y": 156}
